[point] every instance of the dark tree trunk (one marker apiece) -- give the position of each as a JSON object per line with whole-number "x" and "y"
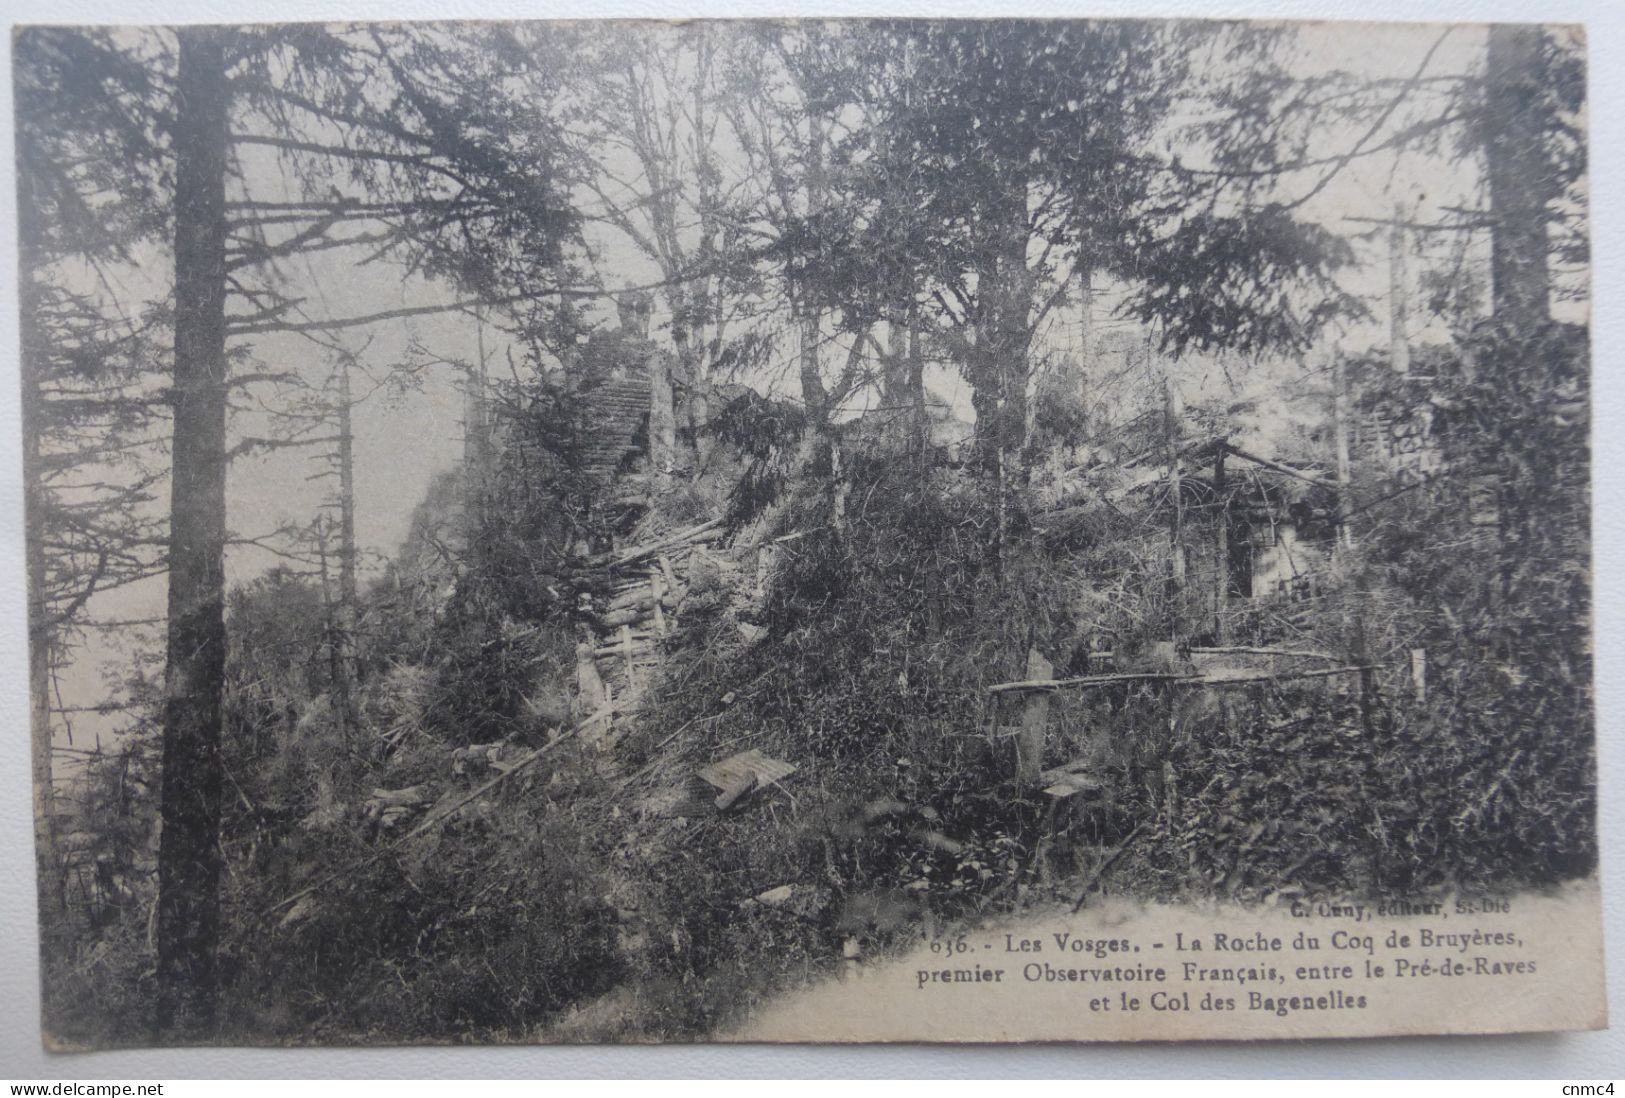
{"x": 189, "y": 859}
{"x": 1518, "y": 171}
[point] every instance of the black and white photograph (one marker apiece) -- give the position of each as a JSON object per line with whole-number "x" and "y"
{"x": 807, "y": 530}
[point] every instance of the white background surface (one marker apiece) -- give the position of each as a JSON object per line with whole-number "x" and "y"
{"x": 1569, "y": 1057}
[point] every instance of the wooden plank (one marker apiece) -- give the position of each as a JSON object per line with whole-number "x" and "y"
{"x": 641, "y": 640}
{"x": 638, "y": 598}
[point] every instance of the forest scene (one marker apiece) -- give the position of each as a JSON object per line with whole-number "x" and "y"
{"x": 572, "y": 532}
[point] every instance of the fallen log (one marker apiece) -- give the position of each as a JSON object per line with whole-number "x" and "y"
{"x": 1276, "y": 466}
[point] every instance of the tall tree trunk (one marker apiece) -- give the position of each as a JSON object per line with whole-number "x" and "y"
{"x": 41, "y": 638}
{"x": 894, "y": 375}
{"x": 1173, "y": 416}
{"x": 808, "y": 316}
{"x": 189, "y": 859}
{"x": 662, "y": 422}
{"x": 1518, "y": 171}
{"x": 347, "y": 547}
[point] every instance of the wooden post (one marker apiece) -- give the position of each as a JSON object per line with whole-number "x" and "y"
{"x": 662, "y": 422}
{"x": 1034, "y": 721}
{"x": 1340, "y": 422}
{"x": 1419, "y": 673}
{"x": 740, "y": 787}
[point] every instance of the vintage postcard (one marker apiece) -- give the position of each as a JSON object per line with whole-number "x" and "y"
{"x": 808, "y": 530}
